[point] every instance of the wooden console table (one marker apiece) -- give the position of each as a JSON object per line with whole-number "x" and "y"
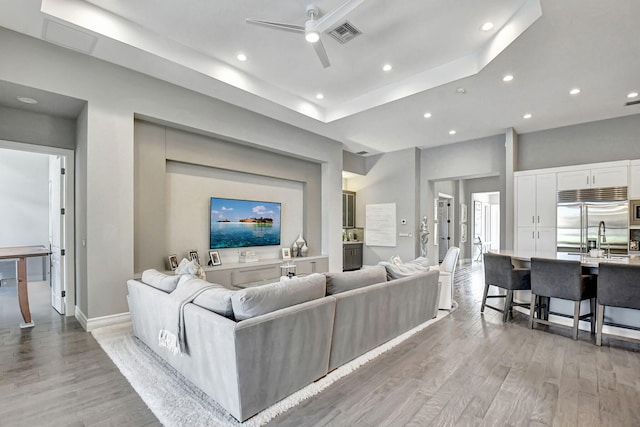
{"x": 20, "y": 254}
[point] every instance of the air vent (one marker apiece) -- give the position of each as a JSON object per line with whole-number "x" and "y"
{"x": 345, "y": 32}
{"x": 606, "y": 194}
{"x": 362, "y": 153}
{"x": 630, "y": 103}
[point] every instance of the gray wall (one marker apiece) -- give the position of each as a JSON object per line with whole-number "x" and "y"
{"x": 106, "y": 151}
{"x": 594, "y": 142}
{"x": 177, "y": 172}
{"x": 390, "y": 178}
{"x": 465, "y": 161}
{"x": 354, "y": 163}
{"x": 41, "y": 129}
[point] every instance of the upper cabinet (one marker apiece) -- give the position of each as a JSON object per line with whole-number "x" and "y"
{"x": 535, "y": 198}
{"x": 596, "y": 177}
{"x": 634, "y": 180}
{"x": 348, "y": 209}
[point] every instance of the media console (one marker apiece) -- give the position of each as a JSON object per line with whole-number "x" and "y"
{"x": 238, "y": 274}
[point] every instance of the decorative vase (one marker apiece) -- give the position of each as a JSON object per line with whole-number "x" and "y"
{"x": 304, "y": 250}
{"x": 300, "y": 241}
{"x": 294, "y": 250}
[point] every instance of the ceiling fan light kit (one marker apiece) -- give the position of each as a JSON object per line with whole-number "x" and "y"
{"x": 313, "y": 27}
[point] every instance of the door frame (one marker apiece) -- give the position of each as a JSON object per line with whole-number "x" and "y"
{"x": 70, "y": 254}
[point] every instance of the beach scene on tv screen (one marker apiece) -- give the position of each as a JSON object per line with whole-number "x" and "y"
{"x": 243, "y": 223}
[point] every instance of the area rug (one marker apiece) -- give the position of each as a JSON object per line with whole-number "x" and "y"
{"x": 177, "y": 402}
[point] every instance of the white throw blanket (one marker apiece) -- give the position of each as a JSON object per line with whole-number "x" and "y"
{"x": 172, "y": 336}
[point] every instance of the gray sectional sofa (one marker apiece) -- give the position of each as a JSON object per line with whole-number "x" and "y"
{"x": 250, "y": 348}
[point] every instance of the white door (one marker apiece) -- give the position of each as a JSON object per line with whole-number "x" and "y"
{"x": 56, "y": 231}
{"x": 444, "y": 223}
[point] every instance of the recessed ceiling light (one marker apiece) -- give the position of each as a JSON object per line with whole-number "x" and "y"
{"x": 632, "y": 94}
{"x": 319, "y": 96}
{"x": 241, "y": 57}
{"x": 574, "y": 91}
{"x": 527, "y": 116}
{"x": 427, "y": 115}
{"x": 27, "y": 100}
{"x": 387, "y": 67}
{"x": 487, "y": 26}
{"x": 461, "y": 91}
{"x": 507, "y": 78}
{"x": 452, "y": 132}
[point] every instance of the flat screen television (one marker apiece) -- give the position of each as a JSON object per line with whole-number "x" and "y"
{"x": 242, "y": 223}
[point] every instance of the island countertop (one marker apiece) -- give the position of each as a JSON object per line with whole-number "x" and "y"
{"x": 585, "y": 259}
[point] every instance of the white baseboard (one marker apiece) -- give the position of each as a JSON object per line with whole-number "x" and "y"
{"x": 99, "y": 322}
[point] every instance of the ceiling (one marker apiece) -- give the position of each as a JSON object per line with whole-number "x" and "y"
{"x": 443, "y": 63}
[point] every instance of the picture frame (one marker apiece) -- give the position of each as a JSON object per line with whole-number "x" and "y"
{"x": 193, "y": 255}
{"x": 173, "y": 261}
{"x": 214, "y": 258}
{"x": 463, "y": 213}
{"x": 634, "y": 212}
{"x": 286, "y": 253}
{"x": 463, "y": 233}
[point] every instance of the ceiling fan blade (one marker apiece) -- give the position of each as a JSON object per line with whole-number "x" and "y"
{"x": 276, "y": 25}
{"x": 322, "y": 54}
{"x": 336, "y": 14}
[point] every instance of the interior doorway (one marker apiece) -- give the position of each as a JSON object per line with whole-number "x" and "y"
{"x": 486, "y": 223}
{"x": 39, "y": 195}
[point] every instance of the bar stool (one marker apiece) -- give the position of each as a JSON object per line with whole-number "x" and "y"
{"x": 553, "y": 278}
{"x": 618, "y": 286}
{"x": 499, "y": 272}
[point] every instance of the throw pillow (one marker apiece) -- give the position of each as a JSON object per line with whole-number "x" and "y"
{"x": 395, "y": 271}
{"x": 258, "y": 300}
{"x": 348, "y": 280}
{"x": 158, "y": 280}
{"x": 216, "y": 299}
{"x": 191, "y": 267}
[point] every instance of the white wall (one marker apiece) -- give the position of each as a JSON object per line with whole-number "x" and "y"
{"x": 24, "y": 201}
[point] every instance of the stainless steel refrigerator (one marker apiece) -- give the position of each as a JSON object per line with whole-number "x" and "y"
{"x": 578, "y": 226}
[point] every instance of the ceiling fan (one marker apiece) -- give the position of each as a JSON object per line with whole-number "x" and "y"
{"x": 314, "y": 25}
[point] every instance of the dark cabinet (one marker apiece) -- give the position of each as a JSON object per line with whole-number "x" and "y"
{"x": 351, "y": 256}
{"x": 348, "y": 209}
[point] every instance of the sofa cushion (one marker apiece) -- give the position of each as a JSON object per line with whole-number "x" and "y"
{"x": 258, "y": 300}
{"x": 216, "y": 299}
{"x": 158, "y": 280}
{"x": 347, "y": 280}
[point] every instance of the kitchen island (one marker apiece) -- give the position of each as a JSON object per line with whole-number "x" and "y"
{"x": 562, "y": 310}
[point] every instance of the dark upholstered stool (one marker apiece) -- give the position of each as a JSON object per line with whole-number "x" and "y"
{"x": 554, "y": 278}
{"x": 618, "y": 286}
{"x": 499, "y": 272}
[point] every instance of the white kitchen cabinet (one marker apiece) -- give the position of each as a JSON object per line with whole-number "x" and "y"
{"x": 536, "y": 240}
{"x": 535, "y": 213}
{"x": 634, "y": 181}
{"x": 536, "y": 200}
{"x": 598, "y": 177}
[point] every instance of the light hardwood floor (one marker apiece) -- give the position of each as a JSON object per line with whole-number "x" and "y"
{"x": 468, "y": 369}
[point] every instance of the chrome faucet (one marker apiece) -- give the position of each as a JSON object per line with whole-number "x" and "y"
{"x": 601, "y": 235}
